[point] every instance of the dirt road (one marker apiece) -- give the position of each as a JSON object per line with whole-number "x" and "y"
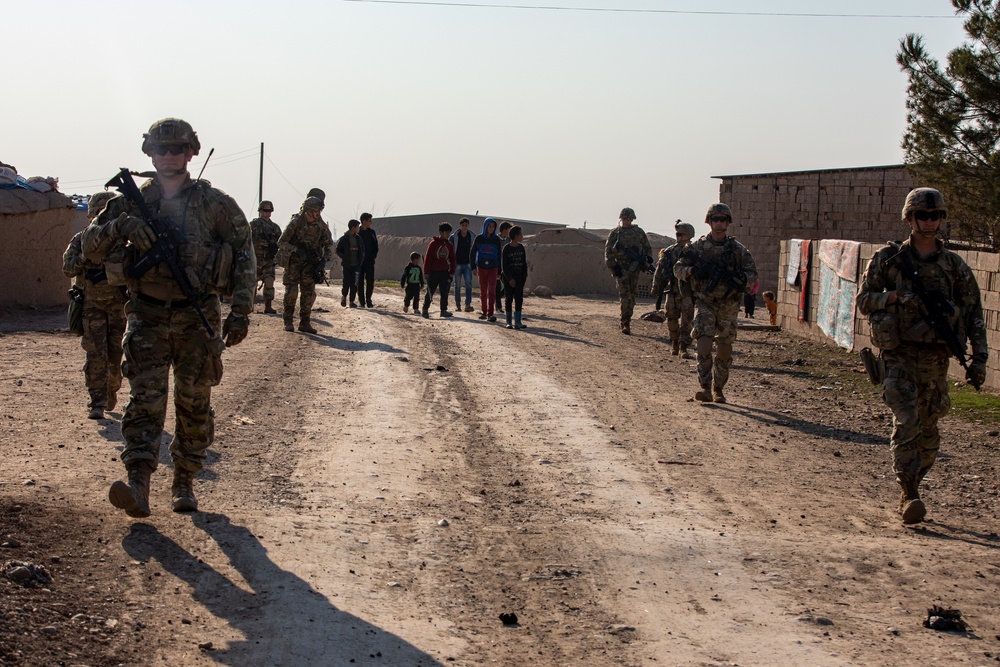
{"x": 381, "y": 492}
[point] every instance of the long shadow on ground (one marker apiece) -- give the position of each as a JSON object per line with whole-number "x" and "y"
{"x": 284, "y": 620}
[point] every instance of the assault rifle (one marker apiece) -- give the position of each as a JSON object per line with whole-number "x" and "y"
{"x": 164, "y": 249}
{"x": 716, "y": 272}
{"x": 315, "y": 265}
{"x": 636, "y": 262}
{"x": 937, "y": 309}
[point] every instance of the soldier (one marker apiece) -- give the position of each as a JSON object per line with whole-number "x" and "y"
{"x": 304, "y": 248}
{"x": 915, "y": 353}
{"x": 366, "y": 273}
{"x": 680, "y": 302}
{"x": 265, "y": 245}
{"x": 719, "y": 270}
{"x": 164, "y": 327}
{"x": 103, "y": 319}
{"x": 626, "y": 253}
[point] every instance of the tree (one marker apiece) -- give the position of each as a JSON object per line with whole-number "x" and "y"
{"x": 952, "y": 139}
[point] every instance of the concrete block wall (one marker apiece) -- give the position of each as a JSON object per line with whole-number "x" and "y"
{"x": 861, "y": 204}
{"x": 985, "y": 266}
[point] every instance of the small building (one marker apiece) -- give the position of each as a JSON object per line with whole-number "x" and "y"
{"x": 856, "y": 203}
{"x": 35, "y": 229}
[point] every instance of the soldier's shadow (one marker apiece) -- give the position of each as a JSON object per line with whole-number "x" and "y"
{"x": 556, "y": 335}
{"x": 801, "y": 425}
{"x": 284, "y": 620}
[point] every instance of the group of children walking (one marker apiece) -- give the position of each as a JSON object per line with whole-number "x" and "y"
{"x": 498, "y": 261}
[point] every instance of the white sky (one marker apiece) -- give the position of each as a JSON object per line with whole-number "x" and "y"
{"x": 559, "y": 116}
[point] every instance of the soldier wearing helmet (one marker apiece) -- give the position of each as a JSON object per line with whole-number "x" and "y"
{"x": 627, "y": 253}
{"x": 719, "y": 270}
{"x": 164, "y": 331}
{"x": 304, "y": 249}
{"x": 915, "y": 354}
{"x": 680, "y": 301}
{"x": 103, "y": 319}
{"x": 265, "y": 234}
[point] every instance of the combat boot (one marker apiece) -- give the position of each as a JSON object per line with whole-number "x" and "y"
{"x": 305, "y": 327}
{"x": 182, "y": 491}
{"x": 626, "y": 329}
{"x": 912, "y": 508}
{"x": 96, "y": 412}
{"x": 268, "y": 308}
{"x": 705, "y": 395}
{"x": 684, "y": 353}
{"x": 677, "y": 348}
{"x": 112, "y": 400}
{"x": 134, "y": 496}
{"x": 717, "y": 394}
{"x": 288, "y": 324}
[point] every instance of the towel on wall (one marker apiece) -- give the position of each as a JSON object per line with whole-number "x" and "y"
{"x": 804, "y": 280}
{"x": 838, "y": 290}
{"x": 794, "y": 261}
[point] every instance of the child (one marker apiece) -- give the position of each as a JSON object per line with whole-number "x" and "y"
{"x": 772, "y": 307}
{"x": 412, "y": 281}
{"x": 439, "y": 267}
{"x": 504, "y": 232}
{"x": 486, "y": 262}
{"x": 514, "y": 273}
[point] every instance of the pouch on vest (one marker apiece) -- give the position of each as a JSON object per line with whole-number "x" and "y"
{"x": 222, "y": 270}
{"x": 117, "y": 264}
{"x": 884, "y": 330}
{"x": 74, "y": 314}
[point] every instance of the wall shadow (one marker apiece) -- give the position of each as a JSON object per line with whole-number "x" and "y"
{"x": 556, "y": 335}
{"x": 284, "y": 620}
{"x": 803, "y": 426}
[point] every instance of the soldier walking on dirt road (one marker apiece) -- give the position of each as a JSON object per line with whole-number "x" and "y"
{"x": 627, "y": 253}
{"x": 304, "y": 248}
{"x": 898, "y": 284}
{"x": 266, "y": 233}
{"x": 719, "y": 270}
{"x": 165, "y": 329}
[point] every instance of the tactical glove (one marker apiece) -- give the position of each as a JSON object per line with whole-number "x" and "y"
{"x": 235, "y": 329}
{"x": 976, "y": 373}
{"x": 617, "y": 271}
{"x": 135, "y": 230}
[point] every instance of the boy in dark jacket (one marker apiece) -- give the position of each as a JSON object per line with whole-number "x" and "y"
{"x": 412, "y": 281}
{"x": 486, "y": 259}
{"x": 439, "y": 267}
{"x": 366, "y": 273}
{"x": 504, "y": 231}
{"x": 514, "y": 273}
{"x": 462, "y": 240}
{"x": 351, "y": 251}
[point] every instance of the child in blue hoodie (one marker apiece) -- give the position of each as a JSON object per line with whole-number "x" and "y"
{"x": 486, "y": 259}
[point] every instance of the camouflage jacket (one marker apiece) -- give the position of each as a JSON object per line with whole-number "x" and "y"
{"x": 265, "y": 234}
{"x": 217, "y": 252}
{"x": 627, "y": 247}
{"x": 302, "y": 239}
{"x": 944, "y": 272}
{"x": 721, "y": 271}
{"x": 663, "y": 277}
{"x": 87, "y": 275}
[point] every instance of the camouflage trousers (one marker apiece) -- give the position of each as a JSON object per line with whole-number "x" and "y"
{"x": 158, "y": 339}
{"x": 103, "y": 328}
{"x": 265, "y": 273}
{"x": 628, "y": 289}
{"x": 916, "y": 390}
{"x": 680, "y": 315}
{"x": 308, "y": 287}
{"x": 715, "y": 322}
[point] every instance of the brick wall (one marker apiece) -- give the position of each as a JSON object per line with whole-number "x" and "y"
{"x": 985, "y": 266}
{"x": 862, "y": 204}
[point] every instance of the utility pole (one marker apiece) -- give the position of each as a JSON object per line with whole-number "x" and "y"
{"x": 260, "y": 180}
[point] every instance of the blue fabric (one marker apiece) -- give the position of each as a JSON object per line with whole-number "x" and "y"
{"x": 835, "y": 311}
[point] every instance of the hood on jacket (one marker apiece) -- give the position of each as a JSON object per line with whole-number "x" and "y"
{"x": 486, "y": 223}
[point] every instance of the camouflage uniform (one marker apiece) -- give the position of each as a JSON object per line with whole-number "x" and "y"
{"x": 916, "y": 364}
{"x": 218, "y": 257}
{"x": 625, "y": 252}
{"x": 680, "y": 302}
{"x": 265, "y": 235}
{"x": 300, "y": 239}
{"x": 103, "y": 327}
{"x": 716, "y": 309}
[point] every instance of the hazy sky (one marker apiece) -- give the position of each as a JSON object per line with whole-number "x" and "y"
{"x": 553, "y": 115}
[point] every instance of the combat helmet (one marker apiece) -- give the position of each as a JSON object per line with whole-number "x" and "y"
{"x": 97, "y": 202}
{"x": 170, "y": 131}
{"x": 265, "y": 206}
{"x": 684, "y": 228}
{"x": 317, "y": 193}
{"x": 923, "y": 199}
{"x": 627, "y": 212}
{"x": 312, "y": 204}
{"x": 718, "y": 209}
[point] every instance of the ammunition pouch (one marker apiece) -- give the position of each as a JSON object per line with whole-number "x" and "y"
{"x": 118, "y": 264}
{"x": 884, "y": 329}
{"x": 222, "y": 269}
{"x": 874, "y": 366}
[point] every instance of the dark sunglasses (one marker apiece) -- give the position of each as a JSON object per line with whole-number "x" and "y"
{"x": 720, "y": 218}
{"x": 173, "y": 149}
{"x": 267, "y": 210}
{"x": 933, "y": 216}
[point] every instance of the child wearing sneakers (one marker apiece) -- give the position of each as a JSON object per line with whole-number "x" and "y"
{"x": 412, "y": 281}
{"x": 514, "y": 273}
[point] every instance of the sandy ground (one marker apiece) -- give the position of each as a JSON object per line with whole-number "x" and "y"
{"x": 381, "y": 492}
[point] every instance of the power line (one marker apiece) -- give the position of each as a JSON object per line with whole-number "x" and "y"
{"x": 623, "y": 10}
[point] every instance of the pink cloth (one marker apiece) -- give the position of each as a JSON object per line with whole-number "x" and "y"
{"x": 841, "y": 256}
